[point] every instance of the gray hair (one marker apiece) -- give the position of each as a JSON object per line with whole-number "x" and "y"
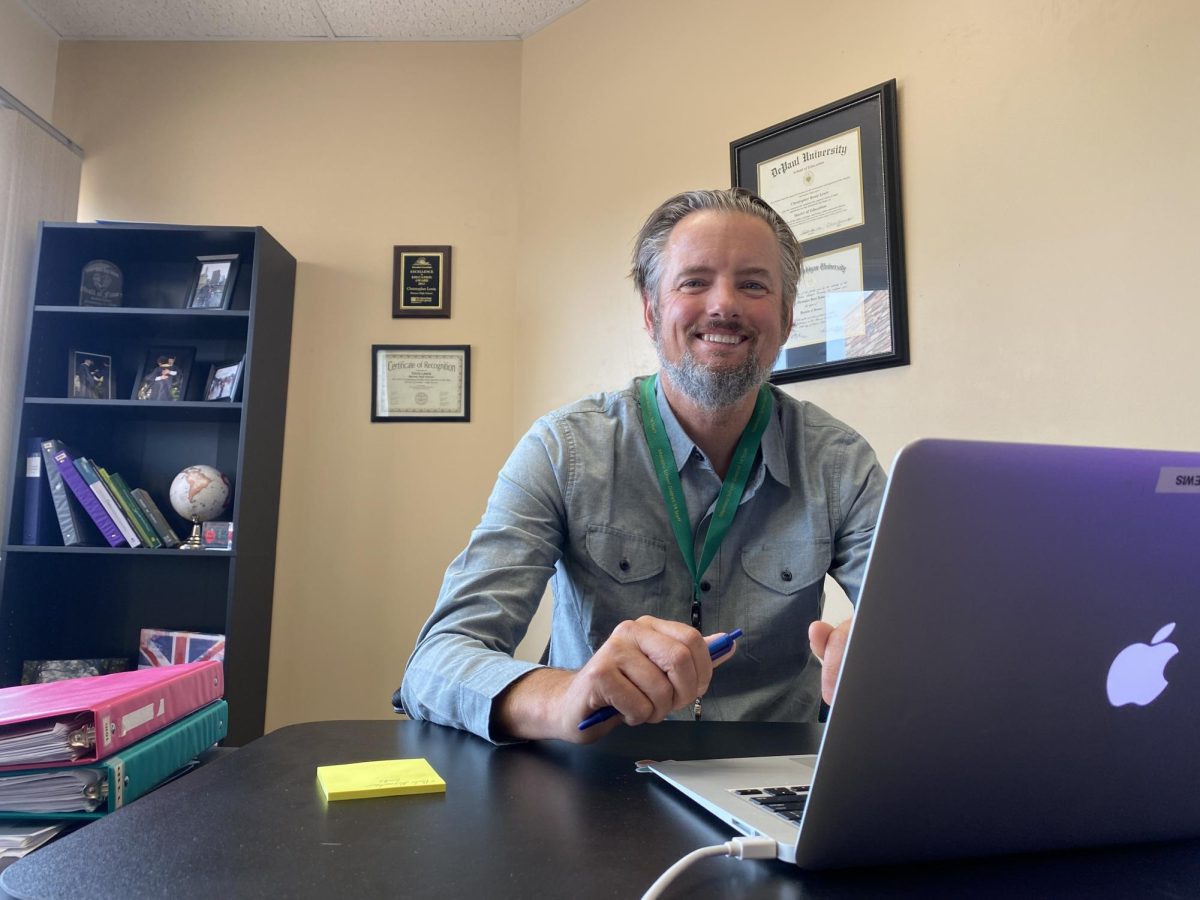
{"x": 650, "y": 244}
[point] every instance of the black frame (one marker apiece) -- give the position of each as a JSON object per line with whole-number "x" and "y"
{"x": 73, "y": 363}
{"x": 183, "y": 362}
{"x": 877, "y": 243}
{"x": 408, "y": 299}
{"x": 226, "y": 289}
{"x": 412, "y": 414}
{"x": 235, "y": 386}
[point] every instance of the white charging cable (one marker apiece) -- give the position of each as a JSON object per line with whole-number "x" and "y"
{"x": 739, "y": 848}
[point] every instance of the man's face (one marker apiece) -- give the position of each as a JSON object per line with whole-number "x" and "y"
{"x": 720, "y": 320}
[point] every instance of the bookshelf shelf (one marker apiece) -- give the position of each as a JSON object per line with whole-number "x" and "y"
{"x": 215, "y": 555}
{"x": 105, "y": 312}
{"x": 76, "y": 602}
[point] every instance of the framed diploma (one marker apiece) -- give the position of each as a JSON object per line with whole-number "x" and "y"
{"x": 421, "y": 282}
{"x": 420, "y": 383}
{"x": 834, "y": 176}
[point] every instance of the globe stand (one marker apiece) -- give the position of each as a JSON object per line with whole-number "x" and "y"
{"x": 193, "y": 542}
{"x": 199, "y": 494}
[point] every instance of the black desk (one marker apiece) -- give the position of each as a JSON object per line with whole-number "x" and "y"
{"x": 535, "y": 820}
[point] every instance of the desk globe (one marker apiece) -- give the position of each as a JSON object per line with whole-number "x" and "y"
{"x": 199, "y": 493}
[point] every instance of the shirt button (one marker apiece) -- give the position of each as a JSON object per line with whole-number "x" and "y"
{"x": 786, "y": 574}
{"x": 705, "y": 586}
{"x": 624, "y": 564}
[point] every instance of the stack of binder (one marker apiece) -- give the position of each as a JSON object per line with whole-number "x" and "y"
{"x": 81, "y": 748}
{"x": 61, "y": 484}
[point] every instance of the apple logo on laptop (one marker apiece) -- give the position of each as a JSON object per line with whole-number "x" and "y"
{"x": 1136, "y": 675}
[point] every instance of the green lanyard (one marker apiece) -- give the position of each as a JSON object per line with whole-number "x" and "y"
{"x": 731, "y": 490}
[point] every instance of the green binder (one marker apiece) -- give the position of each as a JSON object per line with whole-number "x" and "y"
{"x": 95, "y": 789}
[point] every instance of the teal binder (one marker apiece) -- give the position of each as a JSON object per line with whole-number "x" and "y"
{"x": 98, "y": 788}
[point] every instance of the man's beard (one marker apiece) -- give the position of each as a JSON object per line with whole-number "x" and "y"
{"x": 709, "y": 388}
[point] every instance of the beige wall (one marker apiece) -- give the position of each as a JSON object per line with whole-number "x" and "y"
{"x": 341, "y": 151}
{"x": 1050, "y": 196}
{"x": 28, "y": 58}
{"x": 1049, "y": 201}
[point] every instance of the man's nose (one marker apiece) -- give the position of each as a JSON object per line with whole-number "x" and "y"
{"x": 724, "y": 301}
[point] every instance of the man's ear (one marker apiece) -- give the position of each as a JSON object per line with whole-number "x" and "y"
{"x": 647, "y": 313}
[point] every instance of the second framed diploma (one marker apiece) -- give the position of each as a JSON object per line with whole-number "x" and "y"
{"x": 420, "y": 383}
{"x": 834, "y": 176}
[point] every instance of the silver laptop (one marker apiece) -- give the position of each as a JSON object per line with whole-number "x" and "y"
{"x": 1023, "y": 671}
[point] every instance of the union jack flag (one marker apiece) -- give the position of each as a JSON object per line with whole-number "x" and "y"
{"x": 158, "y": 647}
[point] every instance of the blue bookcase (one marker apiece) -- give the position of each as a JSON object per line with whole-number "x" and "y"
{"x": 91, "y": 601}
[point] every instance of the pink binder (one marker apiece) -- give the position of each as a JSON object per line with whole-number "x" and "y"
{"x": 106, "y": 711}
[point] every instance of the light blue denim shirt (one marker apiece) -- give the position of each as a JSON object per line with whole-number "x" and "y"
{"x": 578, "y": 504}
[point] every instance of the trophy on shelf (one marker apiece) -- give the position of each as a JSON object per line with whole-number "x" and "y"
{"x": 199, "y": 493}
{"x": 101, "y": 284}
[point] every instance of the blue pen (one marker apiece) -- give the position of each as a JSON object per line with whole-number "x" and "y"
{"x": 718, "y": 648}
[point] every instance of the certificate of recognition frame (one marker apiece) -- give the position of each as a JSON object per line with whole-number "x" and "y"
{"x": 421, "y": 282}
{"x": 834, "y": 176}
{"x": 420, "y": 383}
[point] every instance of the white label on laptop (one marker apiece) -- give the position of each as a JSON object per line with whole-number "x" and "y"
{"x": 1177, "y": 480}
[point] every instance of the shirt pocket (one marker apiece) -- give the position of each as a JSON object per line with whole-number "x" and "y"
{"x": 786, "y": 582}
{"x": 629, "y": 582}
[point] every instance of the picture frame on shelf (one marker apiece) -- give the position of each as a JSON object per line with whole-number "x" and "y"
{"x": 833, "y": 174}
{"x": 44, "y": 671}
{"x": 164, "y": 374}
{"x": 224, "y": 381}
{"x": 212, "y": 282}
{"x": 89, "y": 376}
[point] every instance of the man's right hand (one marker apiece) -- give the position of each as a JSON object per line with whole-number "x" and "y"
{"x": 646, "y": 669}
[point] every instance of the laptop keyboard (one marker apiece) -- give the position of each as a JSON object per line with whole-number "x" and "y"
{"x": 785, "y": 802}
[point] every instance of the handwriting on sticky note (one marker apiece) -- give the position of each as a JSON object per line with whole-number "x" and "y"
{"x": 379, "y": 778}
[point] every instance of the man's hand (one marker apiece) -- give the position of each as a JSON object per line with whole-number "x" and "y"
{"x": 646, "y": 669}
{"x": 829, "y": 645}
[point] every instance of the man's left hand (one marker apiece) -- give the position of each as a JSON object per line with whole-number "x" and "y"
{"x": 829, "y": 645}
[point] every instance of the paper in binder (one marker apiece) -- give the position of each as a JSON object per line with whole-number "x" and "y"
{"x": 90, "y": 791}
{"x": 21, "y": 838}
{"x": 85, "y": 719}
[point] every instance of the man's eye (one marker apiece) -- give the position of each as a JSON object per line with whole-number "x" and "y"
{"x": 756, "y": 286}
{"x": 691, "y": 284}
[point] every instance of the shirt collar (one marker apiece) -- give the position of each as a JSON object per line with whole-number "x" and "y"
{"x": 682, "y": 445}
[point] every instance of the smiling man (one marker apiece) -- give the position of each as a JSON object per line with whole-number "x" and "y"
{"x": 665, "y": 514}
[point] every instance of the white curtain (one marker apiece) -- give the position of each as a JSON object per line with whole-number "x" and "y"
{"x": 39, "y": 179}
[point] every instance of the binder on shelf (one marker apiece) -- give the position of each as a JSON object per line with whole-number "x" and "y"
{"x": 93, "y": 790}
{"x": 37, "y": 527}
{"x": 91, "y": 505}
{"x": 66, "y": 508}
{"x": 82, "y": 720}
{"x": 88, "y": 470}
{"x": 150, "y": 508}
{"x": 120, "y": 491}
{"x": 152, "y": 538}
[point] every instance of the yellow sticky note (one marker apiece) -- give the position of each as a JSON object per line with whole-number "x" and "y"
{"x": 381, "y": 778}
